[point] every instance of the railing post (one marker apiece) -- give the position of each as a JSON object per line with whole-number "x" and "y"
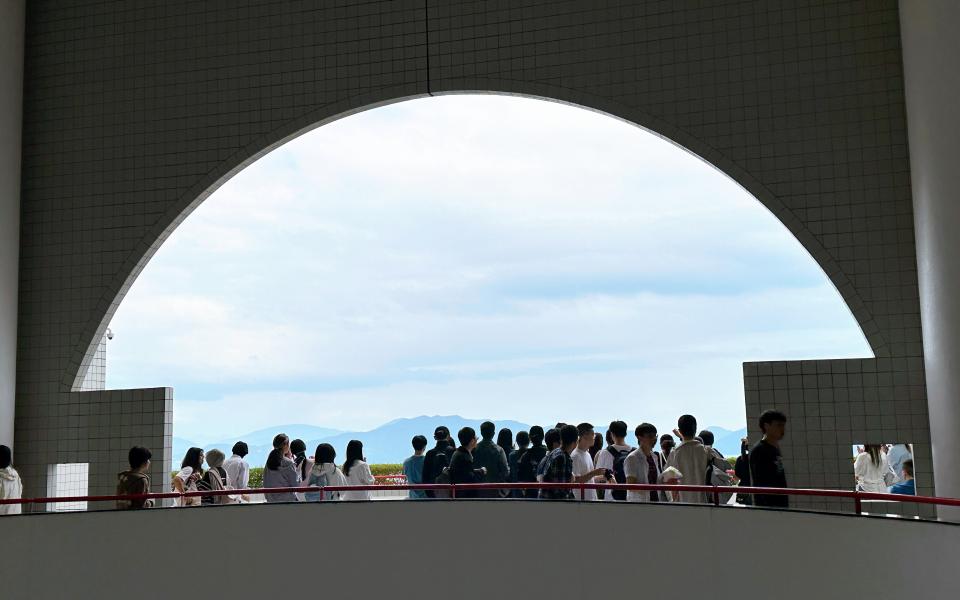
{"x": 857, "y": 506}
{"x": 323, "y": 494}
{"x": 453, "y": 491}
{"x": 716, "y": 496}
{"x": 582, "y": 492}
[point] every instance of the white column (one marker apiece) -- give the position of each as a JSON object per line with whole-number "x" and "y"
{"x": 11, "y": 118}
{"x": 931, "y": 50}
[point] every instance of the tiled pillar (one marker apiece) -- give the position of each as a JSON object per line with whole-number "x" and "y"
{"x": 11, "y": 113}
{"x": 930, "y": 50}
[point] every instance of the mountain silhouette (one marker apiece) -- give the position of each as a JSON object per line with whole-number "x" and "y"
{"x": 388, "y": 443}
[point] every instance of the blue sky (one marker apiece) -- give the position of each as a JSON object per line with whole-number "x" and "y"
{"x": 481, "y": 255}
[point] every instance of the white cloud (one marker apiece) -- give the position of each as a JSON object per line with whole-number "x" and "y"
{"x": 471, "y": 251}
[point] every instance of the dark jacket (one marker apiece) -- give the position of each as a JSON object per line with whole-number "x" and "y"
{"x": 434, "y": 461}
{"x": 527, "y": 467}
{"x": 490, "y": 455}
{"x": 462, "y": 470}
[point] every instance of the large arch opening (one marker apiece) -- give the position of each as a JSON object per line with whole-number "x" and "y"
{"x": 581, "y": 267}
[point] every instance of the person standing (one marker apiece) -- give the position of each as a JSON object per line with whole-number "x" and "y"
{"x": 214, "y": 479}
{"x": 191, "y": 470}
{"x": 11, "y": 488}
{"x": 641, "y": 465}
{"x": 238, "y": 471}
{"x": 584, "y": 470}
{"x": 766, "y": 463}
{"x": 872, "y": 470}
{"x": 357, "y": 472}
{"x": 529, "y": 460}
{"x": 691, "y": 458}
{"x": 613, "y": 456}
{"x": 667, "y": 444}
{"x": 513, "y": 460}
{"x": 280, "y": 471}
{"x": 437, "y": 458}
{"x": 897, "y": 455}
{"x": 136, "y": 481}
{"x": 489, "y": 456}
{"x": 413, "y": 466}
{"x": 558, "y": 466}
{"x": 325, "y": 473}
{"x": 462, "y": 469}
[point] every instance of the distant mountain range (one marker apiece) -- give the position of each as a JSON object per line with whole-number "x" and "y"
{"x": 389, "y": 443}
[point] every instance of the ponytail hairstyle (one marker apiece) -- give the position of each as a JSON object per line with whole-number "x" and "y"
{"x": 275, "y": 458}
{"x": 354, "y": 453}
{"x": 299, "y": 450}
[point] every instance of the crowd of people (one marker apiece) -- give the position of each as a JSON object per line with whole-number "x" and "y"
{"x": 565, "y": 453}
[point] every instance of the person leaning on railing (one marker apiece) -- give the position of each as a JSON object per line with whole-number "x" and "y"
{"x": 136, "y": 480}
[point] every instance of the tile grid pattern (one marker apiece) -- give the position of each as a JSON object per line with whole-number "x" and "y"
{"x": 133, "y": 114}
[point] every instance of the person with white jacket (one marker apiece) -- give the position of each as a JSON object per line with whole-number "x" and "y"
{"x": 357, "y": 471}
{"x": 11, "y": 488}
{"x": 872, "y": 470}
{"x": 324, "y": 473}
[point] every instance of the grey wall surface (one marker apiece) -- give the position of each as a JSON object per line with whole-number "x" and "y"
{"x": 136, "y": 112}
{"x": 931, "y": 49}
{"x": 390, "y": 550}
{"x": 11, "y": 110}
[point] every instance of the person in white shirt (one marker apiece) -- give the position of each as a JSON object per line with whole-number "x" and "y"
{"x": 614, "y": 455}
{"x": 872, "y": 470}
{"x": 691, "y": 458}
{"x": 357, "y": 472}
{"x": 238, "y": 471}
{"x": 583, "y": 468}
{"x": 642, "y": 466}
{"x": 11, "y": 488}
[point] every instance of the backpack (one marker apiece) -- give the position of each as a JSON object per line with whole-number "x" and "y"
{"x": 618, "y": 473}
{"x": 718, "y": 477}
{"x": 443, "y": 478}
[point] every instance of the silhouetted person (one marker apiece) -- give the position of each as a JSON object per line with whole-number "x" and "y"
{"x": 766, "y": 464}
{"x": 437, "y": 458}
{"x": 462, "y": 469}
{"x": 489, "y": 456}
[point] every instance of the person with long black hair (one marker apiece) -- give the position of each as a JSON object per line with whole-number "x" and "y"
{"x": 280, "y": 470}
{"x": 191, "y": 470}
{"x": 872, "y": 470}
{"x": 357, "y": 471}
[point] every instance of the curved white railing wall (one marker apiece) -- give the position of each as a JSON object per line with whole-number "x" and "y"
{"x": 930, "y": 50}
{"x": 11, "y": 113}
{"x": 477, "y": 549}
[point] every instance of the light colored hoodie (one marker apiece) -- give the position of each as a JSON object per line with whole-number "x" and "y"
{"x": 326, "y": 474}
{"x": 10, "y": 488}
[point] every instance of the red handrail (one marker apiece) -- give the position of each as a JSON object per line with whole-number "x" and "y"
{"x": 857, "y": 497}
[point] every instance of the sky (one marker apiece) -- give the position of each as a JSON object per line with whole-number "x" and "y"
{"x": 487, "y": 256}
